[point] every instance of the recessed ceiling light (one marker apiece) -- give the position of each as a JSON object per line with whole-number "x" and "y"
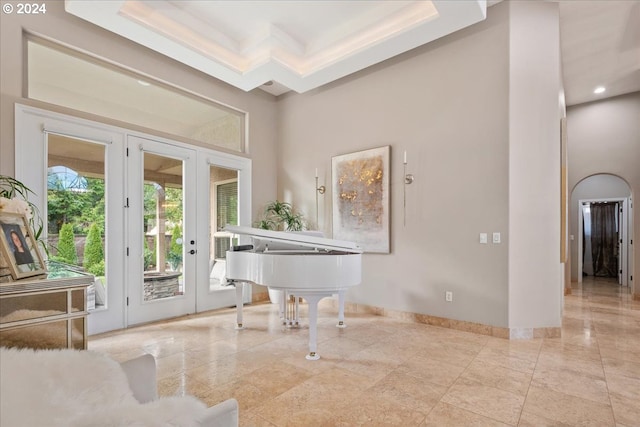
{"x": 599, "y": 89}
{"x": 143, "y": 83}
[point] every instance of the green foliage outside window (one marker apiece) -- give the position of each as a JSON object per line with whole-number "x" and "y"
{"x": 149, "y": 255}
{"x": 80, "y": 208}
{"x": 93, "y": 250}
{"x": 175, "y": 249}
{"x": 97, "y": 269}
{"x": 173, "y": 205}
{"x": 66, "y": 246}
{"x": 172, "y": 202}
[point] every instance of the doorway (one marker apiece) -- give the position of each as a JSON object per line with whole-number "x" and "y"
{"x": 160, "y": 231}
{"x": 155, "y": 213}
{"x": 603, "y": 231}
{"x": 602, "y": 187}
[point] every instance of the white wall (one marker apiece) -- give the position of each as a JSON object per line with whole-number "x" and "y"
{"x": 604, "y": 138}
{"x": 535, "y": 273}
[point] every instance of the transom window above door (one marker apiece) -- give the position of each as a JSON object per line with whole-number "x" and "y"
{"x": 61, "y": 76}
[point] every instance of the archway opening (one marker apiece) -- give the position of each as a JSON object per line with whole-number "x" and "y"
{"x": 600, "y": 212}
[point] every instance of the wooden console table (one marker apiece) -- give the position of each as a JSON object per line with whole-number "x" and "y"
{"x": 47, "y": 312}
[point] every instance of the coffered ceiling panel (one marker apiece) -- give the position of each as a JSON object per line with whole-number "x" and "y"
{"x": 295, "y": 45}
{"x": 299, "y": 45}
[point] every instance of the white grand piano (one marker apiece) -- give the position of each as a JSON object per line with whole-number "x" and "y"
{"x": 301, "y": 265}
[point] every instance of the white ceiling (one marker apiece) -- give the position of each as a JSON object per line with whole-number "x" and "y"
{"x": 301, "y": 45}
{"x": 600, "y": 43}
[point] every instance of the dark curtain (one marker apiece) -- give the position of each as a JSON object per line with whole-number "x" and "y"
{"x": 584, "y": 240}
{"x": 604, "y": 239}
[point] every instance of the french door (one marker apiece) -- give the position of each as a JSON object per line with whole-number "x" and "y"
{"x": 161, "y": 230}
{"x": 160, "y": 217}
{"x": 226, "y": 181}
{"x": 178, "y": 203}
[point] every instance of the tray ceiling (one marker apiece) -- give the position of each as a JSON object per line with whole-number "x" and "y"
{"x": 279, "y": 46}
{"x": 291, "y": 45}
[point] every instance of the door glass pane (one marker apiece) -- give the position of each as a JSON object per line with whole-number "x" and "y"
{"x": 76, "y": 210}
{"x": 163, "y": 224}
{"x": 224, "y": 210}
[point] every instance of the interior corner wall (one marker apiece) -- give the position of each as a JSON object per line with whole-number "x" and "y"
{"x": 604, "y": 137}
{"x": 63, "y": 28}
{"x": 446, "y": 104}
{"x": 535, "y": 271}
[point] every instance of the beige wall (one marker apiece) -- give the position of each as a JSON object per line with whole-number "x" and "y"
{"x": 69, "y": 30}
{"x": 604, "y": 137}
{"x": 446, "y": 104}
{"x": 460, "y": 107}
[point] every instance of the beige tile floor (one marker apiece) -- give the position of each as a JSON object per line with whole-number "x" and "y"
{"x": 381, "y": 371}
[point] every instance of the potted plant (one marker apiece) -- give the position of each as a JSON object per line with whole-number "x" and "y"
{"x": 281, "y": 216}
{"x": 14, "y": 197}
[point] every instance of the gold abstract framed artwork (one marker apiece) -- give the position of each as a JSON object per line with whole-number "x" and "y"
{"x": 18, "y": 247}
{"x": 361, "y": 198}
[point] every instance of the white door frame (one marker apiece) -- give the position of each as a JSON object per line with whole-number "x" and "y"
{"x": 139, "y": 310}
{"x": 31, "y": 166}
{"x": 624, "y": 235}
{"x": 32, "y": 126}
{"x": 206, "y": 299}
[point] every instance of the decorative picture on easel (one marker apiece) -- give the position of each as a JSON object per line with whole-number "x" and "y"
{"x": 18, "y": 247}
{"x": 361, "y": 198}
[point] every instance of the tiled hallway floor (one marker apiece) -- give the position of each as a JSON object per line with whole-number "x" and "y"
{"x": 381, "y": 371}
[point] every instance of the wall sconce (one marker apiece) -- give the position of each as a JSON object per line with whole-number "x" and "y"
{"x": 319, "y": 190}
{"x": 408, "y": 179}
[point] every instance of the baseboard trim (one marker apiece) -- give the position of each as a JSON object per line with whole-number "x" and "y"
{"x": 443, "y": 322}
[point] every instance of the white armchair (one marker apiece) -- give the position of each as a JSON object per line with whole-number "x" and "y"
{"x": 141, "y": 373}
{"x": 75, "y": 388}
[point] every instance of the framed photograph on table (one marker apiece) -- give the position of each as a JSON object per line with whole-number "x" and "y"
{"x": 361, "y": 198}
{"x": 18, "y": 247}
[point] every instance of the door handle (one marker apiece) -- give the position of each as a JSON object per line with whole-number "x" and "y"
{"x": 192, "y": 251}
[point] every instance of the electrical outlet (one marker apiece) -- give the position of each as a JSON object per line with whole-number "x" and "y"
{"x": 448, "y": 296}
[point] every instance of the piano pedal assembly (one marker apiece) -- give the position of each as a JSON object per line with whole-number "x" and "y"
{"x": 290, "y": 314}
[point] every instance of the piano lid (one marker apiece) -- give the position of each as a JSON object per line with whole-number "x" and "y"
{"x": 290, "y": 241}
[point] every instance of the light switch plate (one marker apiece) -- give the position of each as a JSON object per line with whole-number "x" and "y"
{"x": 483, "y": 238}
{"x": 496, "y": 237}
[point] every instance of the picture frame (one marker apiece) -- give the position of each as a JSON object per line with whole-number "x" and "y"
{"x": 361, "y": 198}
{"x": 15, "y": 234}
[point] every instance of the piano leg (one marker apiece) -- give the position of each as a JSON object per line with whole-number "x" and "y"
{"x": 239, "y": 288}
{"x": 289, "y": 311}
{"x": 313, "y": 301}
{"x": 282, "y": 306}
{"x": 341, "y": 323}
